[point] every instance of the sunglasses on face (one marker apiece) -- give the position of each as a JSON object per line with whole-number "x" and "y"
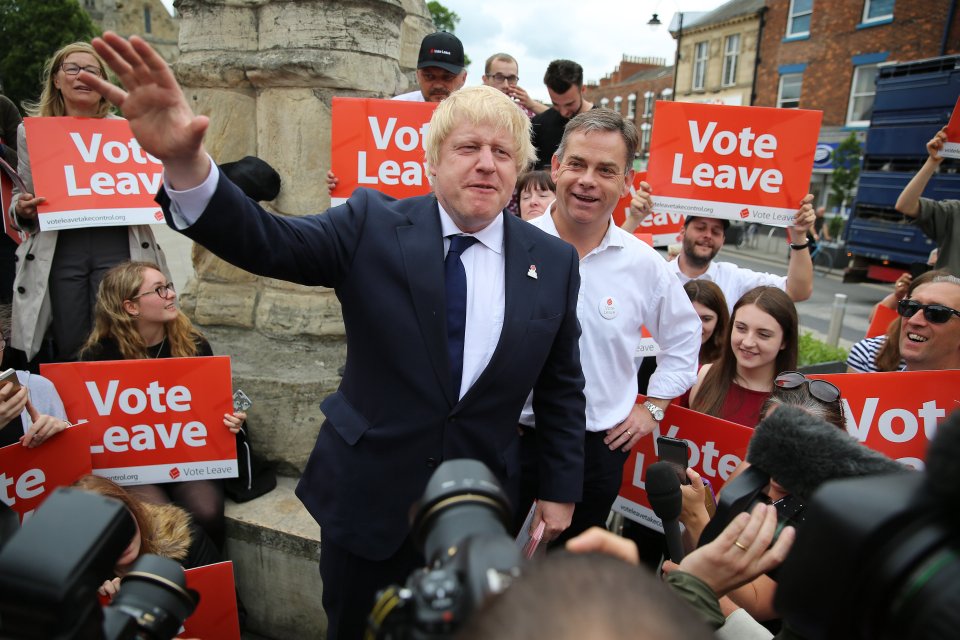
{"x": 935, "y": 313}
{"x": 820, "y": 389}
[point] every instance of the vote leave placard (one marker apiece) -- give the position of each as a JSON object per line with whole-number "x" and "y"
{"x": 716, "y": 448}
{"x": 379, "y": 144}
{"x": 951, "y": 149}
{"x": 215, "y": 617}
{"x": 664, "y": 227}
{"x": 28, "y": 476}
{"x": 736, "y": 163}
{"x": 152, "y": 421}
{"x": 897, "y": 413}
{"x": 92, "y": 173}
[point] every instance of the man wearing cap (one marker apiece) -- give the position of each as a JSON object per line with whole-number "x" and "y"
{"x": 564, "y": 80}
{"x": 440, "y": 68}
{"x": 702, "y": 239}
{"x": 502, "y": 73}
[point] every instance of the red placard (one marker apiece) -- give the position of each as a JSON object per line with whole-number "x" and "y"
{"x": 897, "y": 413}
{"x": 716, "y": 448}
{"x": 216, "y": 615}
{"x": 735, "y": 163}
{"x": 663, "y": 228}
{"x": 152, "y": 421}
{"x": 28, "y": 476}
{"x": 882, "y": 317}
{"x": 92, "y": 173}
{"x": 951, "y": 149}
{"x": 379, "y": 144}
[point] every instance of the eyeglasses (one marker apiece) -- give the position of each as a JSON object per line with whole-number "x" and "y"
{"x": 935, "y": 313}
{"x": 820, "y": 389}
{"x": 162, "y": 291}
{"x": 499, "y": 78}
{"x": 72, "y": 69}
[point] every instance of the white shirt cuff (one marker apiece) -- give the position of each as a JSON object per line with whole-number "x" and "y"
{"x": 187, "y": 206}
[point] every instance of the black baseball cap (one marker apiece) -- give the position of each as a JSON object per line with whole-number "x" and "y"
{"x": 441, "y": 49}
{"x": 689, "y": 219}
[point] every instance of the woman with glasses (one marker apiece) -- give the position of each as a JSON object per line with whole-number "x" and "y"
{"x": 760, "y": 340}
{"x": 58, "y": 271}
{"x": 137, "y": 317}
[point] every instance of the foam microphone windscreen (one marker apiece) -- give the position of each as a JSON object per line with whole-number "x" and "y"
{"x": 943, "y": 469}
{"x": 801, "y": 452}
{"x": 663, "y": 490}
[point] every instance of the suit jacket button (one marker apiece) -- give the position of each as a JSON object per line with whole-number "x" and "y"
{"x": 30, "y": 256}
{"x": 145, "y": 245}
{"x": 431, "y": 463}
{"x": 21, "y": 290}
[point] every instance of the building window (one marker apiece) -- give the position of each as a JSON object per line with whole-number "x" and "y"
{"x": 788, "y": 95}
{"x": 632, "y": 106}
{"x": 604, "y": 102}
{"x": 731, "y": 55}
{"x": 700, "y": 51}
{"x": 862, "y": 90}
{"x": 648, "y": 104}
{"x": 644, "y": 137}
{"x": 617, "y": 102}
{"x": 147, "y": 27}
{"x": 666, "y": 94}
{"x": 798, "y": 20}
{"x": 874, "y": 10}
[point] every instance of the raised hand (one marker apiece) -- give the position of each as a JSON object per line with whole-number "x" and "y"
{"x": 160, "y": 118}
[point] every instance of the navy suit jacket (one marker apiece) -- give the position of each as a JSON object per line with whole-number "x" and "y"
{"x": 396, "y": 416}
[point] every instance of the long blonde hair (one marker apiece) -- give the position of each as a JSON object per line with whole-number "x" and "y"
{"x": 51, "y": 100}
{"x": 111, "y": 320}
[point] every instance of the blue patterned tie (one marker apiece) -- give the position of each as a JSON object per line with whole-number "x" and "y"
{"x": 456, "y": 285}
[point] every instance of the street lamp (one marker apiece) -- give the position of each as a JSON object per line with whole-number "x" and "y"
{"x": 654, "y": 22}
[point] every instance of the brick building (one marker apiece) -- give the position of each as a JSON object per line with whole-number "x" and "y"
{"x": 824, "y": 55}
{"x": 631, "y": 90}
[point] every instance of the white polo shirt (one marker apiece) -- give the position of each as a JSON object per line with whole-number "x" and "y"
{"x": 413, "y": 96}
{"x": 625, "y": 284}
{"x": 734, "y": 281}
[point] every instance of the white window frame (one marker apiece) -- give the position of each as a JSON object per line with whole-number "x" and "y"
{"x": 780, "y": 89}
{"x": 701, "y": 53}
{"x": 617, "y": 102}
{"x": 853, "y": 96}
{"x": 632, "y": 106}
{"x": 793, "y": 15}
{"x": 648, "y": 104}
{"x": 731, "y": 60}
{"x": 645, "y": 137}
{"x": 866, "y": 13}
{"x": 604, "y": 102}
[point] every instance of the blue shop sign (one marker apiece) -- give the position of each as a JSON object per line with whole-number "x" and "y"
{"x": 823, "y": 156}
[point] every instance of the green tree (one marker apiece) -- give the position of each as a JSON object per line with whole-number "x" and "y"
{"x": 846, "y": 171}
{"x": 443, "y": 18}
{"x": 31, "y": 31}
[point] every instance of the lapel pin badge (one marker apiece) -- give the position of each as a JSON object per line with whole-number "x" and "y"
{"x": 532, "y": 272}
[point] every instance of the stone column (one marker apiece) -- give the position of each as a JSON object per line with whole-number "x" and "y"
{"x": 265, "y": 71}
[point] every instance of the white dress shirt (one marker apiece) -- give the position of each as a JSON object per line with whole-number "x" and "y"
{"x": 734, "y": 281}
{"x": 624, "y": 284}
{"x": 483, "y": 262}
{"x": 413, "y": 96}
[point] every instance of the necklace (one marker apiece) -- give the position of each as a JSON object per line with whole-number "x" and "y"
{"x": 160, "y": 348}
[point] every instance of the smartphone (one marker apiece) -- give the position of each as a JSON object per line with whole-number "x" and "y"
{"x": 919, "y": 268}
{"x": 10, "y": 376}
{"x": 677, "y": 453}
{"x": 240, "y": 401}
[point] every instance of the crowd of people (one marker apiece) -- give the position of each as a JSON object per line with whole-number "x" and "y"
{"x": 509, "y": 338}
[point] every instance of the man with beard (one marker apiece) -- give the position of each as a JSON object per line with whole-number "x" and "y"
{"x": 440, "y": 69}
{"x": 703, "y": 237}
{"x": 564, "y": 80}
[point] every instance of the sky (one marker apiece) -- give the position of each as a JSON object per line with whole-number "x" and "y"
{"x": 594, "y": 33}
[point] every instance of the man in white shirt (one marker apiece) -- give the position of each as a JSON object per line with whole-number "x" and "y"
{"x": 440, "y": 68}
{"x": 703, "y": 237}
{"x": 624, "y": 284}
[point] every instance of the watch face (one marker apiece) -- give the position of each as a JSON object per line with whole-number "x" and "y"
{"x": 655, "y": 411}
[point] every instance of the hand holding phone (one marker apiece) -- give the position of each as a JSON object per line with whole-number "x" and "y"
{"x": 677, "y": 453}
{"x": 10, "y": 377}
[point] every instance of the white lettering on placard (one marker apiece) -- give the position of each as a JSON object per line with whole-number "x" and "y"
{"x": 660, "y": 219}
{"x": 143, "y": 437}
{"x": 405, "y": 138}
{"x": 390, "y": 172}
{"x": 111, "y": 151}
{"x": 725, "y": 142}
{"x": 133, "y": 401}
{"x": 106, "y": 184}
{"x": 745, "y": 143}
{"x": 896, "y": 425}
{"x": 28, "y": 485}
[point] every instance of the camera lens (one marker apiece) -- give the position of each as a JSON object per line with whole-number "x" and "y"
{"x": 154, "y": 593}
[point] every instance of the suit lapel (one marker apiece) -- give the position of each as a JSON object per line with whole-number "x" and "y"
{"x": 421, "y": 244}
{"x": 520, "y": 292}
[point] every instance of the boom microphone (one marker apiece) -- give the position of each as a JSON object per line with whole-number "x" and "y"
{"x": 663, "y": 491}
{"x": 801, "y": 452}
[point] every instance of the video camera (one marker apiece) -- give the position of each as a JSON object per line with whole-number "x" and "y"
{"x": 461, "y": 525}
{"x": 51, "y": 569}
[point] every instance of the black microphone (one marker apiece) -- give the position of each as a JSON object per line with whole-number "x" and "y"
{"x": 663, "y": 491}
{"x": 943, "y": 472}
{"x": 801, "y": 452}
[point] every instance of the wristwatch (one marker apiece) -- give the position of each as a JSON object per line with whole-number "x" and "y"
{"x": 654, "y": 410}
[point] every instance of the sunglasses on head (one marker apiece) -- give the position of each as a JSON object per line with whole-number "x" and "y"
{"x": 820, "y": 389}
{"x": 935, "y": 313}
